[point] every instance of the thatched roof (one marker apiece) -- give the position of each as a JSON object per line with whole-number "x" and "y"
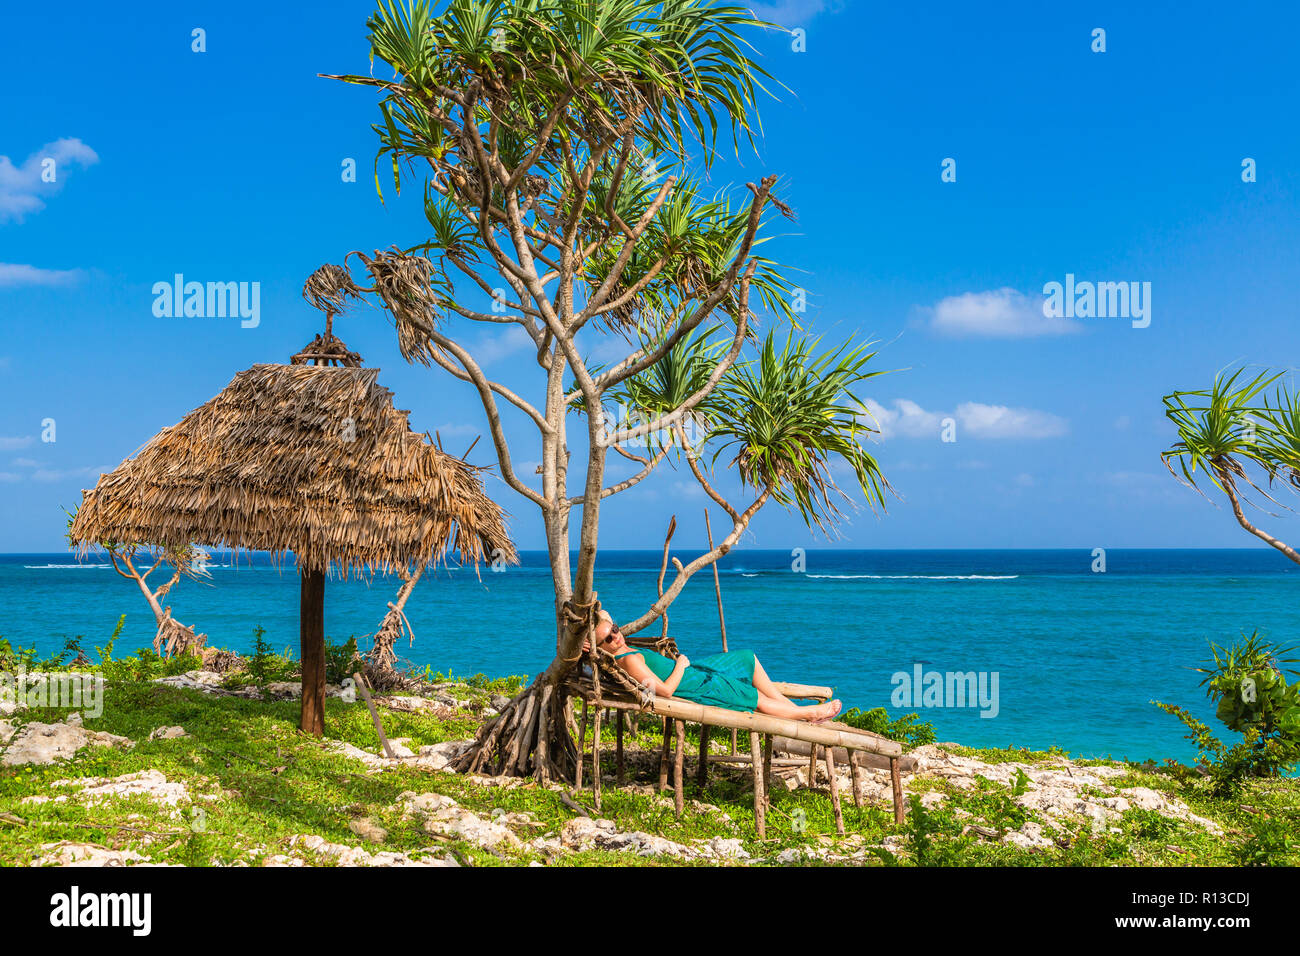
{"x": 311, "y": 459}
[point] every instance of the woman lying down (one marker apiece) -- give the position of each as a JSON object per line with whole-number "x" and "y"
{"x": 735, "y": 680}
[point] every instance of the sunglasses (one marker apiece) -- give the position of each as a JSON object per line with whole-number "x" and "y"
{"x": 613, "y": 633}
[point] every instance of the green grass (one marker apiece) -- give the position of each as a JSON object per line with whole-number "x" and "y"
{"x": 267, "y": 782}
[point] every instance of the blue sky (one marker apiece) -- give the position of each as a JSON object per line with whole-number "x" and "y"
{"x": 1117, "y": 166}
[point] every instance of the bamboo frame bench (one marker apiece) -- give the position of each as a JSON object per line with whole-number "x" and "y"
{"x": 678, "y": 712}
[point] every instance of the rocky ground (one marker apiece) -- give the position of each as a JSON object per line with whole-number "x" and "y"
{"x": 1043, "y": 804}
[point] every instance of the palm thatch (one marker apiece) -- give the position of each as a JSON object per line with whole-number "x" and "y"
{"x": 308, "y": 459}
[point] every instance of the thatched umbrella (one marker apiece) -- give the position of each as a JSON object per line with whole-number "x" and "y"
{"x": 311, "y": 459}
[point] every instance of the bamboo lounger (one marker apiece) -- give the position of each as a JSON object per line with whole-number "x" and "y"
{"x": 827, "y": 736}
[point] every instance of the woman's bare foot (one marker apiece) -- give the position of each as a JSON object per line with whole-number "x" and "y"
{"x": 828, "y": 711}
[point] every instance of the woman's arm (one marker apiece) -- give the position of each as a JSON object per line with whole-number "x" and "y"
{"x": 634, "y": 664}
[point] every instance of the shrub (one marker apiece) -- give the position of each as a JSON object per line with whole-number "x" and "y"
{"x": 908, "y": 729}
{"x": 1253, "y": 698}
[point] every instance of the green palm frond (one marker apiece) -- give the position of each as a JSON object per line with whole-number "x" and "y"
{"x": 1218, "y": 428}
{"x": 787, "y": 415}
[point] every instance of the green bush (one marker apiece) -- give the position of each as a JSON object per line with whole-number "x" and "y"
{"x": 1253, "y": 698}
{"x": 341, "y": 660}
{"x": 908, "y": 729}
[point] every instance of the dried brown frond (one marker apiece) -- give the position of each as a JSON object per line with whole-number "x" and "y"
{"x": 329, "y": 288}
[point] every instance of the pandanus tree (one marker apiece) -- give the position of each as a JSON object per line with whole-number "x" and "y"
{"x": 561, "y": 148}
{"x": 1244, "y": 438}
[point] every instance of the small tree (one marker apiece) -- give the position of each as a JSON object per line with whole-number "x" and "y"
{"x": 561, "y": 146}
{"x": 1242, "y": 439}
{"x": 171, "y": 637}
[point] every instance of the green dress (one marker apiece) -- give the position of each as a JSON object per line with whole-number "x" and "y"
{"x": 722, "y": 680}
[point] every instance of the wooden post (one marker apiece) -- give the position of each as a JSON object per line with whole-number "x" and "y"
{"x": 857, "y": 779}
{"x": 760, "y": 798}
{"x": 595, "y": 757}
{"x": 702, "y": 771}
{"x": 896, "y": 778}
{"x": 767, "y": 769}
{"x": 812, "y": 767}
{"x": 835, "y": 789}
{"x": 311, "y": 646}
{"x": 722, "y": 618}
{"x": 679, "y": 758}
{"x": 374, "y": 714}
{"x": 618, "y": 747}
{"x": 582, "y": 748}
{"x": 663, "y": 758}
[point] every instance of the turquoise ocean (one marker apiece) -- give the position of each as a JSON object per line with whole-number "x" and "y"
{"x": 1079, "y": 654}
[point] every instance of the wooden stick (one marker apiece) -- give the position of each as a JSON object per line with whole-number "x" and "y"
{"x": 717, "y": 584}
{"x": 760, "y": 799}
{"x": 663, "y": 570}
{"x": 897, "y": 779}
{"x": 679, "y": 791}
{"x": 595, "y": 757}
{"x": 722, "y": 618}
{"x": 857, "y": 780}
{"x": 618, "y": 747}
{"x": 663, "y": 758}
{"x": 374, "y": 715}
{"x": 835, "y": 789}
{"x": 582, "y": 747}
{"x": 767, "y": 768}
{"x": 702, "y": 771}
{"x": 812, "y": 767}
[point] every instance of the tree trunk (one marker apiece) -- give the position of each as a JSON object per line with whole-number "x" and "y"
{"x": 311, "y": 635}
{"x": 531, "y": 736}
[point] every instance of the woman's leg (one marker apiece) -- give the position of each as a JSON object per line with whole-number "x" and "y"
{"x": 780, "y": 707}
{"x": 764, "y": 684}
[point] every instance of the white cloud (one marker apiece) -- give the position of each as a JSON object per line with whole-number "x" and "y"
{"x": 15, "y": 274}
{"x": 9, "y": 444}
{"x": 53, "y": 474}
{"x": 495, "y": 346}
{"x": 907, "y": 419}
{"x": 23, "y": 189}
{"x": 1002, "y": 314}
{"x": 26, "y": 462}
{"x": 792, "y": 13}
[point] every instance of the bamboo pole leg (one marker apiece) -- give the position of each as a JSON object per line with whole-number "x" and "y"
{"x": 767, "y": 769}
{"x": 618, "y": 749}
{"x": 595, "y": 758}
{"x": 896, "y": 778}
{"x": 835, "y": 789}
{"x": 733, "y": 741}
{"x": 857, "y": 780}
{"x": 760, "y": 798}
{"x": 702, "y": 771}
{"x": 582, "y": 748}
{"x": 663, "y": 758}
{"x": 812, "y": 766}
{"x": 679, "y": 758}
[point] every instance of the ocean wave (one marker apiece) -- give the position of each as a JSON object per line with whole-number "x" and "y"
{"x": 918, "y": 577}
{"x": 42, "y": 567}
